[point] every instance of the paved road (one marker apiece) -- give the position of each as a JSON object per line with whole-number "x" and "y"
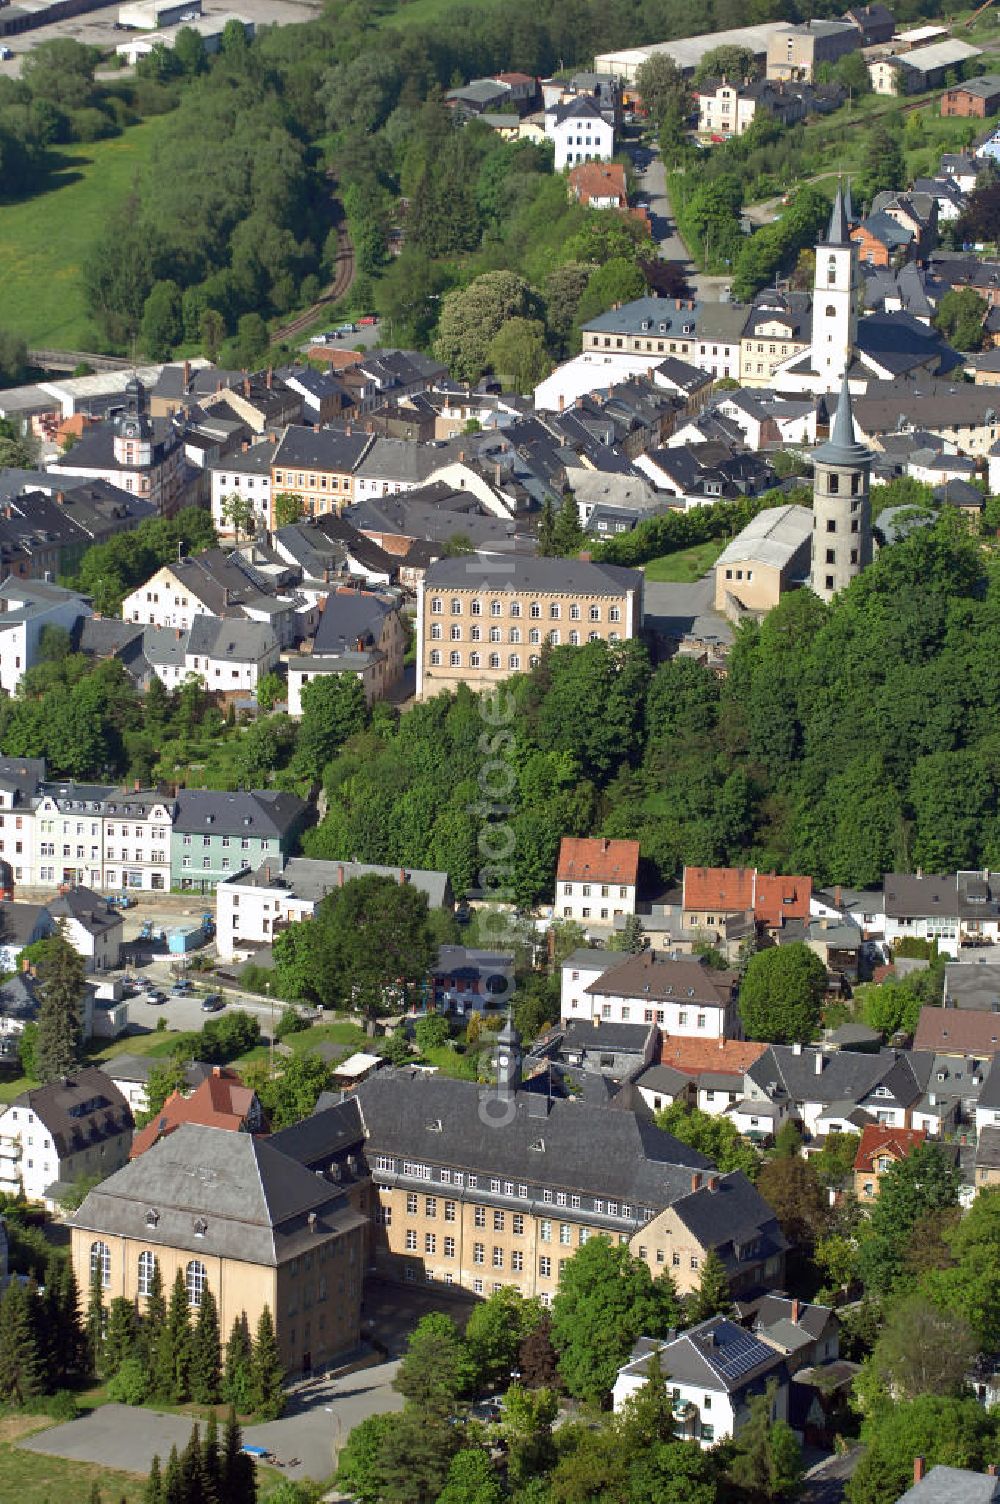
{"x": 824, "y": 1484}
{"x": 652, "y": 191}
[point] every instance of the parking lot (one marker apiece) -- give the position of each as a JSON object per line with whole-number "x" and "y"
{"x": 97, "y": 28}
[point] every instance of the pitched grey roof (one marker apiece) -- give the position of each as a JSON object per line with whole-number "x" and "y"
{"x": 988, "y": 1149}
{"x": 19, "y": 997}
{"x": 656, "y": 977}
{"x": 263, "y": 812}
{"x": 351, "y": 617}
{"x": 231, "y": 640}
{"x": 973, "y": 984}
{"x": 253, "y": 1200}
{"x": 813, "y": 1319}
{"x": 19, "y": 921}
{"x": 706, "y": 1356}
{"x": 79, "y": 1111}
{"x": 732, "y": 1217}
{"x": 952, "y": 1485}
{"x": 87, "y": 908}
{"x": 559, "y": 576}
{"x": 328, "y": 449}
{"x": 316, "y": 1140}
{"x": 846, "y": 1076}
{"x": 595, "y": 1034}
{"x": 663, "y": 1078}
{"x": 581, "y": 1148}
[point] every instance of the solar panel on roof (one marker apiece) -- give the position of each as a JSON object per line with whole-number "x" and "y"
{"x": 739, "y": 1353}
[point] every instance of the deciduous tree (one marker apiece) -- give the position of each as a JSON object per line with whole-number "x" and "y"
{"x": 782, "y": 994}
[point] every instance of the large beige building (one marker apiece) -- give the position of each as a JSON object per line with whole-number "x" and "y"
{"x": 480, "y": 1188}
{"x": 480, "y": 620}
{"x": 241, "y": 1217}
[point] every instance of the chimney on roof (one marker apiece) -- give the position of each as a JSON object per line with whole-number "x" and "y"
{"x": 246, "y": 385}
{"x": 178, "y": 633}
{"x": 267, "y": 873}
{"x": 918, "y": 1469}
{"x": 216, "y": 1070}
{"x": 696, "y": 1180}
{"x": 61, "y": 498}
{"x": 270, "y": 378}
{"x": 311, "y": 1219}
{"x": 819, "y": 1062}
{"x": 713, "y": 1182}
{"x": 796, "y": 1310}
{"x": 340, "y": 877}
{"x": 562, "y": 402}
{"x": 347, "y": 430}
{"x": 403, "y": 877}
{"x": 361, "y": 644}
{"x": 136, "y": 786}
{"x": 186, "y": 375}
{"x": 991, "y": 1470}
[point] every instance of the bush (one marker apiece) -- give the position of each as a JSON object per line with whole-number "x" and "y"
{"x": 290, "y": 1022}
{"x": 62, "y": 1405}
{"x": 130, "y": 1385}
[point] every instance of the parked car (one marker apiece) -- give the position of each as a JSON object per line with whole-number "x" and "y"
{"x": 5, "y": 54}
{"x": 155, "y": 997}
{"x": 346, "y": 329}
{"x": 367, "y": 320}
{"x": 181, "y": 987}
{"x": 213, "y": 1003}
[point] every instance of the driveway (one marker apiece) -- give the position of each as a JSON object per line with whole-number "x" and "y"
{"x": 824, "y": 1484}
{"x": 320, "y": 1416}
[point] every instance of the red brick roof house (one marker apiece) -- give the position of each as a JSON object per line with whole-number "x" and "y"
{"x": 881, "y": 1148}
{"x": 777, "y": 899}
{"x": 221, "y": 1101}
{"x": 596, "y": 879}
{"x": 710, "y": 893}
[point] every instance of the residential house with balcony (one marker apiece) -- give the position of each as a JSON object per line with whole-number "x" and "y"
{"x": 712, "y": 1371}
{"x": 51, "y": 1136}
{"x": 216, "y": 835}
{"x": 959, "y": 910}
{"x": 219, "y": 584}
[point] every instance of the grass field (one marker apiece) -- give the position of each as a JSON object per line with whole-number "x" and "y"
{"x": 43, "y": 239}
{"x": 31, "y": 1478}
{"x": 687, "y": 566}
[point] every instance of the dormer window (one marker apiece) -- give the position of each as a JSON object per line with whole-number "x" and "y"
{"x": 152, "y": 1217}
{"x": 200, "y": 1227}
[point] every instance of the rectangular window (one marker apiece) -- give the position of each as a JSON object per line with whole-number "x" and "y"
{"x": 430, "y": 1242}
{"x": 411, "y": 1203}
{"x": 545, "y": 1267}
{"x": 479, "y": 1253}
{"x": 480, "y": 1216}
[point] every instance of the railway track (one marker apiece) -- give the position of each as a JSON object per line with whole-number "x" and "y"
{"x": 342, "y": 279}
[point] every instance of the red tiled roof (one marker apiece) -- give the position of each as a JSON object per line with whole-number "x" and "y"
{"x": 596, "y": 860}
{"x": 780, "y": 898}
{"x": 896, "y": 1142}
{"x": 221, "y": 1101}
{"x": 958, "y": 1031}
{"x": 599, "y": 180}
{"x": 514, "y": 78}
{"x": 728, "y": 889}
{"x": 720, "y": 1056}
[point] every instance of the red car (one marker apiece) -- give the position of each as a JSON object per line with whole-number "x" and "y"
{"x": 368, "y": 320}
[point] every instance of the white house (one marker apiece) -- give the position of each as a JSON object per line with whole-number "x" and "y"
{"x": 54, "y": 1135}
{"x": 962, "y": 908}
{"x": 577, "y": 972}
{"x": 247, "y": 475}
{"x": 680, "y": 994}
{"x": 27, "y": 607}
{"x": 92, "y": 928}
{"x": 21, "y": 924}
{"x": 579, "y": 133}
{"x": 251, "y": 907}
{"x": 712, "y": 1370}
{"x": 596, "y": 879}
{"x": 810, "y": 1082}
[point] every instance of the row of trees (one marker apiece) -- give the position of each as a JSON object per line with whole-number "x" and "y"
{"x": 162, "y": 1354}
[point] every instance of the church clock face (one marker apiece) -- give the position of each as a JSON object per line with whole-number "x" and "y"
{"x": 502, "y": 1061}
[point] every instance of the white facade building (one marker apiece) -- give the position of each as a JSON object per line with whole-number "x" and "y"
{"x": 596, "y": 880}
{"x": 27, "y": 607}
{"x": 81, "y": 1126}
{"x": 579, "y": 133}
{"x": 681, "y": 995}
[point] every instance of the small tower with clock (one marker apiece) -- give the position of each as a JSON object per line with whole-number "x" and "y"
{"x": 133, "y": 429}
{"x": 508, "y": 1058}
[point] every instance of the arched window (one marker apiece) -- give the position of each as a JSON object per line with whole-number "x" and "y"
{"x": 100, "y": 1260}
{"x": 147, "y": 1267}
{"x": 831, "y": 271}
{"x": 194, "y": 1281}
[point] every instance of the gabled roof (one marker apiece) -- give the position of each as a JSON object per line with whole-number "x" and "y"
{"x": 716, "y": 1355}
{"x": 779, "y": 898}
{"x": 220, "y": 1101}
{"x": 953, "y": 1485}
{"x": 583, "y": 859}
{"x": 79, "y": 1111}
{"x": 728, "y": 889}
{"x": 351, "y": 617}
{"x": 878, "y": 1140}
{"x": 89, "y": 909}
{"x": 697, "y": 1057}
{"x": 653, "y": 977}
{"x": 957, "y": 1031}
{"x": 263, "y": 812}
{"x": 729, "y": 1215}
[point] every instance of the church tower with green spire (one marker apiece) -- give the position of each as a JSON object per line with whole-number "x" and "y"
{"x": 842, "y": 514}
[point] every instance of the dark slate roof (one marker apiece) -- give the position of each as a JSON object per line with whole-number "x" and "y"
{"x": 19, "y": 997}
{"x": 316, "y": 1140}
{"x": 22, "y": 775}
{"x": 232, "y": 639}
{"x": 953, "y": 1485}
{"x": 847, "y": 1075}
{"x": 105, "y": 637}
{"x": 18, "y": 922}
{"x": 731, "y": 1217}
{"x": 262, "y": 812}
{"x": 583, "y": 1148}
{"x": 813, "y": 1319}
{"x": 706, "y": 1356}
{"x": 253, "y": 1200}
{"x": 580, "y": 108}
{"x": 87, "y": 908}
{"x": 350, "y": 617}
{"x": 595, "y": 1034}
{"x": 565, "y": 576}
{"x": 81, "y": 1110}
{"x": 328, "y": 449}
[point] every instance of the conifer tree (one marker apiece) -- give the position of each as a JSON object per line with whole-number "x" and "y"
{"x": 238, "y": 1484}
{"x": 60, "y": 1336}
{"x": 20, "y": 1364}
{"x": 173, "y": 1483}
{"x": 237, "y": 1384}
{"x": 211, "y": 1462}
{"x": 120, "y": 1337}
{"x": 191, "y": 1474}
{"x": 567, "y": 534}
{"x": 173, "y": 1354}
{"x": 95, "y": 1321}
{"x": 154, "y": 1319}
{"x": 546, "y": 529}
{"x": 206, "y": 1357}
{"x": 712, "y": 1297}
{"x": 238, "y": 1379}
{"x": 154, "y": 1484}
{"x": 60, "y": 1018}
{"x": 268, "y": 1373}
